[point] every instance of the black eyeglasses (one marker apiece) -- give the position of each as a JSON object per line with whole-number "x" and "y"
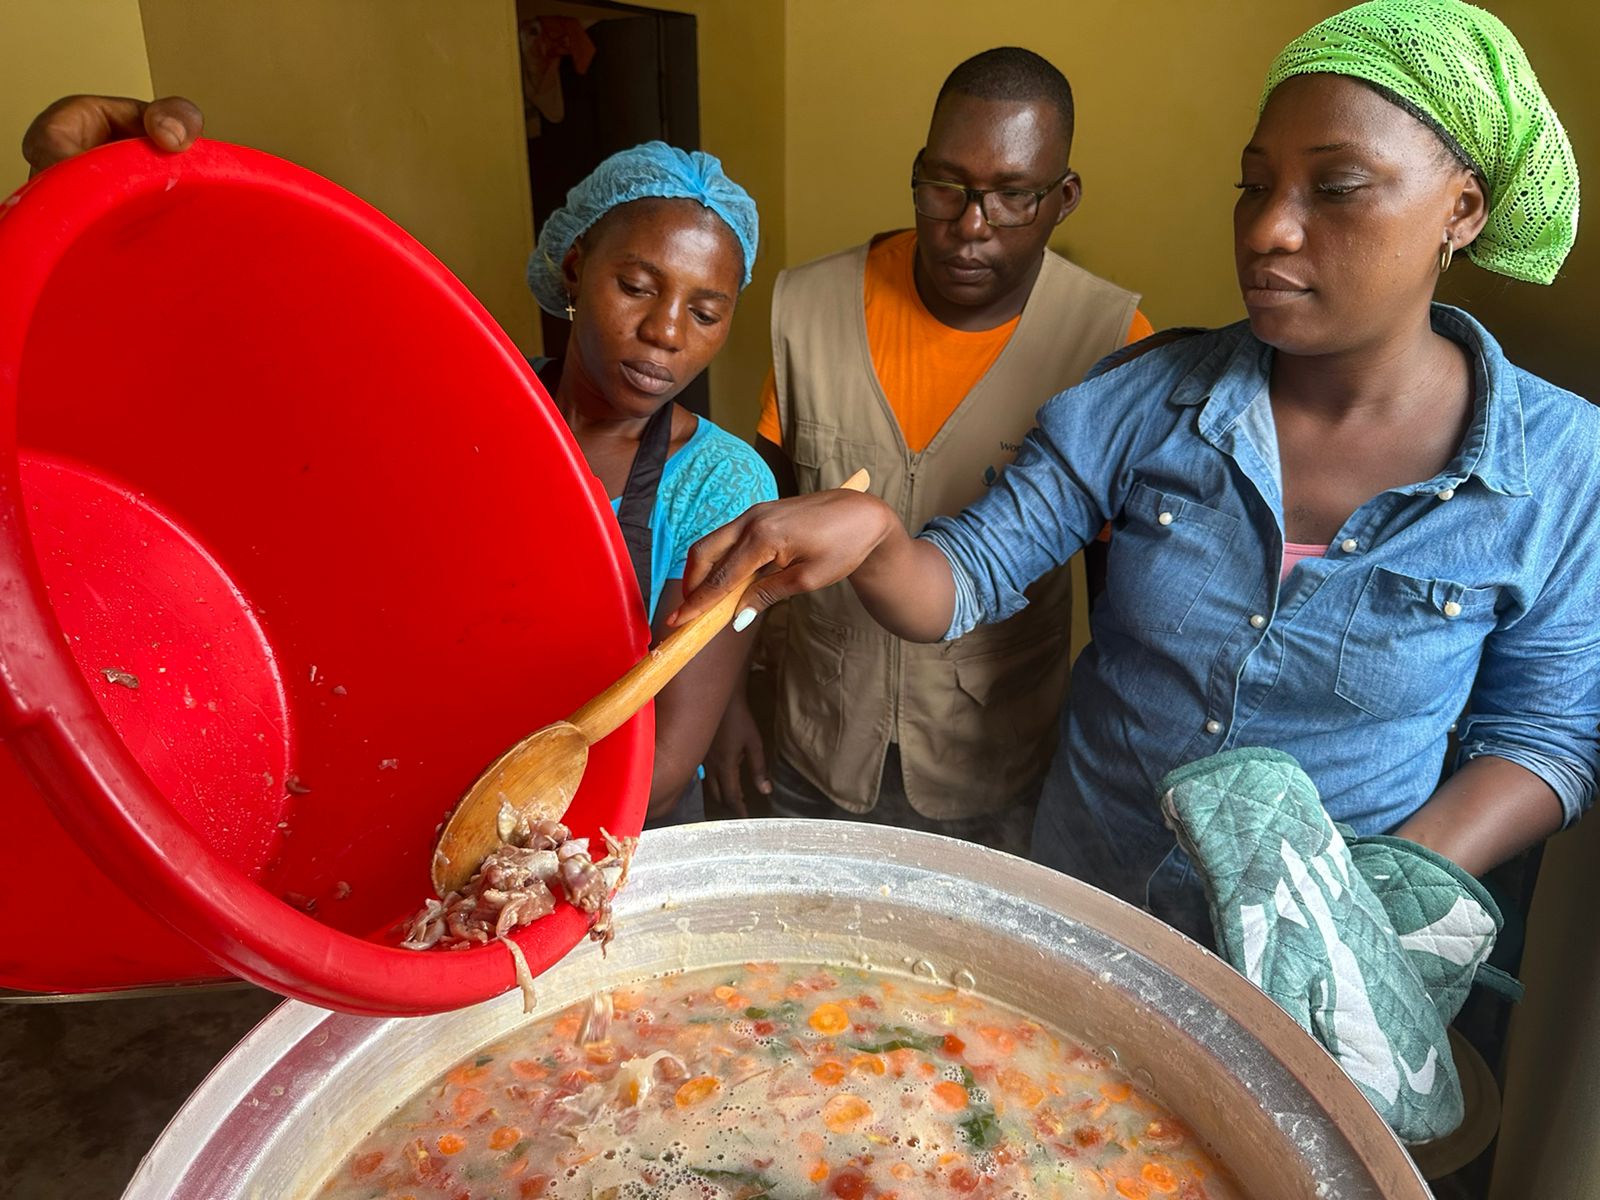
{"x": 1002, "y": 208}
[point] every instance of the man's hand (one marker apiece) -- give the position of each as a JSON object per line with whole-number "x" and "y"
{"x": 78, "y": 123}
{"x": 737, "y": 742}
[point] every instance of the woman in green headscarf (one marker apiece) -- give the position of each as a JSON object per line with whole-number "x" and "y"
{"x": 1338, "y": 526}
{"x": 1342, "y": 530}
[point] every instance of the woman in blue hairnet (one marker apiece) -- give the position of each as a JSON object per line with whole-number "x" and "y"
{"x": 646, "y": 259}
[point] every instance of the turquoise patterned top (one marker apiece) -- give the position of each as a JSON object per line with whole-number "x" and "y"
{"x": 706, "y": 484}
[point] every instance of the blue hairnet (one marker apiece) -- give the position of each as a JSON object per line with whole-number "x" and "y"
{"x": 653, "y": 169}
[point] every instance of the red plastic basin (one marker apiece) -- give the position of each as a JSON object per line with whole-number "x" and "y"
{"x": 263, "y": 456}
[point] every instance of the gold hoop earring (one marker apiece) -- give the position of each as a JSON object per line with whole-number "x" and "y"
{"x": 1447, "y": 253}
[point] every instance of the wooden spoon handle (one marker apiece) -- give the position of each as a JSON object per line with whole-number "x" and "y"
{"x": 607, "y": 711}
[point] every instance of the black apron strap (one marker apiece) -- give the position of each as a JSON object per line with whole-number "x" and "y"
{"x": 639, "y": 498}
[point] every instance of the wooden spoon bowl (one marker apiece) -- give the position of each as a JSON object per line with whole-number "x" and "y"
{"x": 538, "y": 777}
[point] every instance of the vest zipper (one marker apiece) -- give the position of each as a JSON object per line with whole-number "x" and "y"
{"x": 896, "y": 678}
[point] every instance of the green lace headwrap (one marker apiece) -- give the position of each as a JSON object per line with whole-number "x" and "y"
{"x": 1460, "y": 70}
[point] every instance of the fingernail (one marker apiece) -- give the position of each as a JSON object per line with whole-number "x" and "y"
{"x": 742, "y": 621}
{"x": 174, "y": 130}
{"x": 764, "y": 788}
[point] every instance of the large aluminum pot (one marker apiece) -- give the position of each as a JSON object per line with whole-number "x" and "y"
{"x": 287, "y": 1105}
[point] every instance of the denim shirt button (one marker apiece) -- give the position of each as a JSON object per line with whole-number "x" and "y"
{"x": 1213, "y": 726}
{"x": 1349, "y": 545}
{"x": 1452, "y": 609}
{"x": 1448, "y": 493}
{"x": 1257, "y": 621}
{"x": 1164, "y": 519}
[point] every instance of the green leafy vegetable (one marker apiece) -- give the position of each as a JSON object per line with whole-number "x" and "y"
{"x": 899, "y": 1038}
{"x": 982, "y": 1129}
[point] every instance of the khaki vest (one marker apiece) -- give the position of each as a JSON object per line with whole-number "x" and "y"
{"x": 976, "y": 718}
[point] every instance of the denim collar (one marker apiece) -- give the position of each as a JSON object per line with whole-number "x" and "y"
{"x": 1237, "y": 367}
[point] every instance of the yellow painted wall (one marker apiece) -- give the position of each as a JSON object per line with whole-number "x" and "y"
{"x": 414, "y": 105}
{"x": 741, "y": 48}
{"x": 52, "y": 48}
{"x": 1551, "y": 330}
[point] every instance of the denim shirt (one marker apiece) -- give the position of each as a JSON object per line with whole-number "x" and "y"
{"x": 1474, "y": 595}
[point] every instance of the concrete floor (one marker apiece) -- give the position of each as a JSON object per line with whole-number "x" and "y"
{"x": 90, "y": 1085}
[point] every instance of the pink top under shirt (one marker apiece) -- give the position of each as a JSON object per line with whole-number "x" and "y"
{"x": 1293, "y": 552}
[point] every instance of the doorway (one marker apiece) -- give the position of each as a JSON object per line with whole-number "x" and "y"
{"x": 598, "y": 77}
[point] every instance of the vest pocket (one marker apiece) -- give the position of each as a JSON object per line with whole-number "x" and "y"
{"x": 811, "y": 690}
{"x": 1411, "y": 641}
{"x": 1007, "y": 700}
{"x": 813, "y": 442}
{"x": 1164, "y": 550}
{"x": 823, "y": 459}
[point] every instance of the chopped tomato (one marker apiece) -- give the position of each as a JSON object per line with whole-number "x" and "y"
{"x": 449, "y": 1143}
{"x": 963, "y": 1179}
{"x": 848, "y": 1184}
{"x": 953, "y": 1045}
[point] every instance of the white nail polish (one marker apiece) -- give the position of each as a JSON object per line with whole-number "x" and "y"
{"x": 742, "y": 621}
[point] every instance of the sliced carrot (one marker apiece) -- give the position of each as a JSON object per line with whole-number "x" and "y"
{"x": 469, "y": 1101}
{"x": 526, "y": 1068}
{"x": 828, "y": 1073}
{"x": 949, "y": 1096}
{"x": 829, "y": 1018}
{"x": 900, "y": 1061}
{"x": 1116, "y": 1092}
{"x": 903, "y": 1171}
{"x": 505, "y": 1137}
{"x": 566, "y": 1028}
{"x": 1160, "y": 1177}
{"x": 998, "y": 1039}
{"x": 600, "y": 1052}
{"x": 818, "y": 1172}
{"x": 845, "y": 1112}
{"x": 466, "y": 1073}
{"x": 1019, "y": 1086}
{"x": 1132, "y": 1189}
{"x": 701, "y": 1087}
{"x": 449, "y": 1143}
{"x": 867, "y": 1064}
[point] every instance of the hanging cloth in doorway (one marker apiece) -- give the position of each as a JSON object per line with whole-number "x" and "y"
{"x": 545, "y": 41}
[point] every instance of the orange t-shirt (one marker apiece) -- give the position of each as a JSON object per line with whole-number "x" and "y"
{"x": 924, "y": 367}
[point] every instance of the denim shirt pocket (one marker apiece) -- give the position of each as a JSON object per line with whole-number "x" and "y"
{"x": 1410, "y": 641}
{"x": 1164, "y": 550}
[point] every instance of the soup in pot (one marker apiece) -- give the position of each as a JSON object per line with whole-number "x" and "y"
{"x": 782, "y": 1080}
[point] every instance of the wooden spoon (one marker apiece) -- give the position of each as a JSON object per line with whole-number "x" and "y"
{"x": 538, "y": 777}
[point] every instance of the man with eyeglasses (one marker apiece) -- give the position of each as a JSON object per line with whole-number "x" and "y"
{"x": 923, "y": 357}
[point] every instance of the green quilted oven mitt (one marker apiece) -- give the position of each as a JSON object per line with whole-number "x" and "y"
{"x": 1371, "y": 946}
